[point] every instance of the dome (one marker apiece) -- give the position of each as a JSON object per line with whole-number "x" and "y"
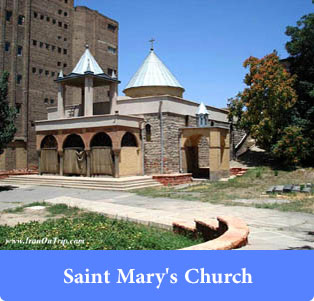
{"x": 153, "y": 78}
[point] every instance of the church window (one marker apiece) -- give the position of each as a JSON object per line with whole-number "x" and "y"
{"x": 19, "y": 79}
{"x": 148, "y": 130}
{"x": 187, "y": 120}
{"x": 19, "y": 51}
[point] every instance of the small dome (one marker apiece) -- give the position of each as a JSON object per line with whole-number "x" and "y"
{"x": 153, "y": 78}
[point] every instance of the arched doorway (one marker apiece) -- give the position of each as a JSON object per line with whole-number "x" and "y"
{"x": 130, "y": 157}
{"x": 49, "y": 161}
{"x": 74, "y": 162}
{"x": 101, "y": 155}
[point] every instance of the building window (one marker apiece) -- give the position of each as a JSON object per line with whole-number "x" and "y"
{"x": 110, "y": 71}
{"x": 46, "y": 101}
{"x": 59, "y": 11}
{"x": 35, "y": 14}
{"x": 53, "y": 48}
{"x": 42, "y": 17}
{"x": 65, "y": 39}
{"x": 47, "y": 72}
{"x": 65, "y": 14}
{"x": 148, "y": 130}
{"x": 34, "y": 70}
{"x": 19, "y": 79}
{"x": 112, "y": 50}
{"x": 59, "y": 50}
{"x": 59, "y": 64}
{"x": 59, "y": 37}
{"x": 112, "y": 27}
{"x": 48, "y": 19}
{"x": 187, "y": 120}
{"x": 47, "y": 46}
{"x": 18, "y": 107}
{"x": 65, "y": 1}
{"x": 65, "y": 65}
{"x": 54, "y": 21}
{"x": 60, "y": 24}
{"x": 34, "y": 43}
{"x": 41, "y": 71}
{"x": 41, "y": 44}
{"x": 19, "y": 50}
{"x": 53, "y": 74}
{"x": 65, "y": 51}
{"x": 21, "y": 20}
{"x": 66, "y": 26}
{"x": 7, "y": 46}
{"x": 52, "y": 101}
{"x": 8, "y": 15}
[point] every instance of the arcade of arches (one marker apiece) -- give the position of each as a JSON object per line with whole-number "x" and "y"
{"x": 96, "y": 152}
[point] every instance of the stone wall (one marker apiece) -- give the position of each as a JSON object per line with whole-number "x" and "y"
{"x": 171, "y": 156}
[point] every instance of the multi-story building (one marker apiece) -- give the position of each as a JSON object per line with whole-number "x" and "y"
{"x": 38, "y": 38}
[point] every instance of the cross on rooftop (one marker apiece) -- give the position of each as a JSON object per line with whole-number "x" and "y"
{"x": 152, "y": 41}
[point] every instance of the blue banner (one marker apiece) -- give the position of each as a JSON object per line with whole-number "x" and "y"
{"x": 156, "y": 275}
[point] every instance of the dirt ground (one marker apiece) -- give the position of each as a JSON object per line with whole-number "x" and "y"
{"x": 31, "y": 214}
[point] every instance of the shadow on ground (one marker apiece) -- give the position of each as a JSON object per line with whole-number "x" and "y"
{"x": 7, "y": 188}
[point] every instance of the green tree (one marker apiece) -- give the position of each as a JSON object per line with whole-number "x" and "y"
{"x": 301, "y": 63}
{"x": 264, "y": 107}
{"x": 7, "y": 114}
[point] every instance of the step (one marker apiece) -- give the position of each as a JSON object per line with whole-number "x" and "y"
{"x": 81, "y": 183}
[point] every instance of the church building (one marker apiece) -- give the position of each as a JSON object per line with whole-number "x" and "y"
{"x": 152, "y": 130}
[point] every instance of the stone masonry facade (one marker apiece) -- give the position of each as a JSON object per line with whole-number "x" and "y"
{"x": 38, "y": 38}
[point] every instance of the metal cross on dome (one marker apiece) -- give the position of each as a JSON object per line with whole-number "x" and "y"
{"x": 152, "y": 41}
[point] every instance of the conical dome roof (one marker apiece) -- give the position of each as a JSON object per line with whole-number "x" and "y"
{"x": 87, "y": 63}
{"x": 153, "y": 72}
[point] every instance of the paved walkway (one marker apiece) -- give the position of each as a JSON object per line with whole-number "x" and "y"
{"x": 270, "y": 229}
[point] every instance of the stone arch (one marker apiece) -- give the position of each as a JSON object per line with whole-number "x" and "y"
{"x": 101, "y": 139}
{"x": 73, "y": 141}
{"x": 130, "y": 156}
{"x": 101, "y": 155}
{"x": 75, "y": 161}
{"x": 49, "y": 142}
{"x": 129, "y": 140}
{"x": 49, "y": 158}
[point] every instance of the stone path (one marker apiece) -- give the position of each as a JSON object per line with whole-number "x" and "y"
{"x": 270, "y": 229}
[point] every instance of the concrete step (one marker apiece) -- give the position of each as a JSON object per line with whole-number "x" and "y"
{"x": 83, "y": 183}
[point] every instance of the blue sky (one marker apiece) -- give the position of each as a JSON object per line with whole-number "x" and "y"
{"x": 203, "y": 42}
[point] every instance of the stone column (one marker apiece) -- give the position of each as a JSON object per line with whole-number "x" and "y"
{"x": 61, "y": 100}
{"x": 88, "y": 162}
{"x": 225, "y": 152}
{"x": 89, "y": 96}
{"x": 61, "y": 163}
{"x": 116, "y": 162}
{"x": 113, "y": 98}
{"x": 214, "y": 155}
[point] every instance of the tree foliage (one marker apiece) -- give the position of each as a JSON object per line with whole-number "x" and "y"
{"x": 262, "y": 109}
{"x": 7, "y": 114}
{"x": 301, "y": 63}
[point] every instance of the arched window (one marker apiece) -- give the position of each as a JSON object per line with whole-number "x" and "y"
{"x": 49, "y": 142}
{"x": 74, "y": 141}
{"x": 129, "y": 140}
{"x": 101, "y": 139}
{"x": 148, "y": 130}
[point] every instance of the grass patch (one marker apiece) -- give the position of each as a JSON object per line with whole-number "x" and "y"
{"x": 252, "y": 185}
{"x": 62, "y": 209}
{"x": 89, "y": 231}
{"x": 14, "y": 210}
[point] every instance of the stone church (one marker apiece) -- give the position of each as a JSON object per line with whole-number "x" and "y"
{"x": 150, "y": 130}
